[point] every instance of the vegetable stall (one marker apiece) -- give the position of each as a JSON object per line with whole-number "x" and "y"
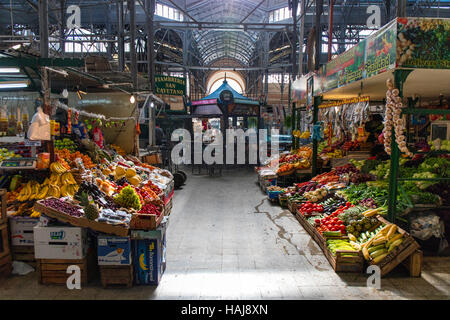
{"x": 86, "y": 202}
{"x": 379, "y": 114}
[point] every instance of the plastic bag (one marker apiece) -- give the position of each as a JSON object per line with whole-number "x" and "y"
{"x": 40, "y": 126}
{"x": 21, "y": 268}
{"x": 427, "y": 225}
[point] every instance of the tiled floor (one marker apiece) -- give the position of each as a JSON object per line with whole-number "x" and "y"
{"x": 226, "y": 241}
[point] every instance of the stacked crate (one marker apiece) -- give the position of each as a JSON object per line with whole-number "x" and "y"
{"x": 5, "y": 253}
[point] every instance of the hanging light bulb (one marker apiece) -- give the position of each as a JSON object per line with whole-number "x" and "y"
{"x": 132, "y": 99}
{"x": 152, "y": 105}
{"x": 65, "y": 93}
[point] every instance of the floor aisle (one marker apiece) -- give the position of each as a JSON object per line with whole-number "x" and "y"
{"x": 226, "y": 241}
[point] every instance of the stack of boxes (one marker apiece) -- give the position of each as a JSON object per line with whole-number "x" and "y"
{"x": 22, "y": 239}
{"x": 122, "y": 261}
{"x": 58, "y": 246}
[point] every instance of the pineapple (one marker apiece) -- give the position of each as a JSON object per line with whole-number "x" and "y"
{"x": 90, "y": 210}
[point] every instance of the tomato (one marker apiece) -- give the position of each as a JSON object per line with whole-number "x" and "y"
{"x": 348, "y": 203}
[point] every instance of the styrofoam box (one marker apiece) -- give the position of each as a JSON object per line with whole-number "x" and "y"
{"x": 60, "y": 242}
{"x": 22, "y": 233}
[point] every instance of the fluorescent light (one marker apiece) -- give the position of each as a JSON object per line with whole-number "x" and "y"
{"x": 9, "y": 70}
{"x": 13, "y": 84}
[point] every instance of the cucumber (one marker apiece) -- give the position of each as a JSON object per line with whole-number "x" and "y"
{"x": 379, "y": 258}
{"x": 331, "y": 233}
{"x": 375, "y": 248}
{"x": 377, "y": 253}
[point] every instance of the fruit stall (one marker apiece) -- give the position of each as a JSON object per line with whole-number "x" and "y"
{"x": 76, "y": 199}
{"x": 377, "y": 202}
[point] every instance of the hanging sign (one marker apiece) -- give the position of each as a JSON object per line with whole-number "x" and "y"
{"x": 32, "y": 143}
{"x": 226, "y": 96}
{"x": 168, "y": 85}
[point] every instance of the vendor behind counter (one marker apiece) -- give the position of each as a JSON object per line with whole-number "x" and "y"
{"x": 375, "y": 128}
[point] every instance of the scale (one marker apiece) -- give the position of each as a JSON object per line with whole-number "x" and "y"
{"x": 18, "y": 163}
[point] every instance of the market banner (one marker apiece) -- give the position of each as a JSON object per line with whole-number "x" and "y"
{"x": 380, "y": 51}
{"x": 423, "y": 43}
{"x": 168, "y": 85}
{"x": 371, "y": 56}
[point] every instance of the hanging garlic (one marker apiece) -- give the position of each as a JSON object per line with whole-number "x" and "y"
{"x": 394, "y": 120}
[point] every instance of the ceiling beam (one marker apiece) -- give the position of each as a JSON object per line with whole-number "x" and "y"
{"x": 254, "y": 9}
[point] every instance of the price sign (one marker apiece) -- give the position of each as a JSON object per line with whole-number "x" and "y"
{"x": 32, "y": 143}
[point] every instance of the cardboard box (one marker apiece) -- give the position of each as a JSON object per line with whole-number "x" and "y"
{"x": 60, "y": 242}
{"x": 152, "y": 159}
{"x": 149, "y": 254}
{"x": 22, "y": 233}
{"x": 113, "y": 251}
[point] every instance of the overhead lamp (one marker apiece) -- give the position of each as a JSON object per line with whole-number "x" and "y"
{"x": 14, "y": 84}
{"x": 65, "y": 93}
{"x": 152, "y": 105}
{"x": 132, "y": 99}
{"x": 9, "y": 70}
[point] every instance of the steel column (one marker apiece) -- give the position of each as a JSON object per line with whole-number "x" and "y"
{"x": 294, "y": 43}
{"x": 401, "y": 8}
{"x": 302, "y": 38}
{"x": 317, "y": 102}
{"x": 120, "y": 36}
{"x": 319, "y": 4}
{"x": 330, "y": 28}
{"x": 150, "y": 7}
{"x": 62, "y": 36}
{"x": 133, "y": 66}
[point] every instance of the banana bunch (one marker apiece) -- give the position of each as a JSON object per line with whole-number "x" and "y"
{"x": 35, "y": 214}
{"x": 58, "y": 168}
{"x": 58, "y": 185}
{"x": 69, "y": 190}
{"x": 28, "y": 192}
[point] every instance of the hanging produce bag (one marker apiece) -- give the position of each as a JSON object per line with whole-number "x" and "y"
{"x": 40, "y": 126}
{"x": 97, "y": 136}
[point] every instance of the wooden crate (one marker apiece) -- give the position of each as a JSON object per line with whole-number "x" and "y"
{"x": 293, "y": 205}
{"x": 399, "y": 253}
{"x": 317, "y": 237}
{"x": 54, "y": 271}
{"x": 116, "y": 276}
{"x": 414, "y": 263}
{"x": 168, "y": 207}
{"x": 118, "y": 230}
{"x": 3, "y": 217}
{"x": 4, "y": 240}
{"x": 24, "y": 254}
{"x": 5, "y": 266}
{"x": 340, "y": 263}
{"x": 146, "y": 221}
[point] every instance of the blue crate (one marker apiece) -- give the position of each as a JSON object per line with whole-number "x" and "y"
{"x": 274, "y": 194}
